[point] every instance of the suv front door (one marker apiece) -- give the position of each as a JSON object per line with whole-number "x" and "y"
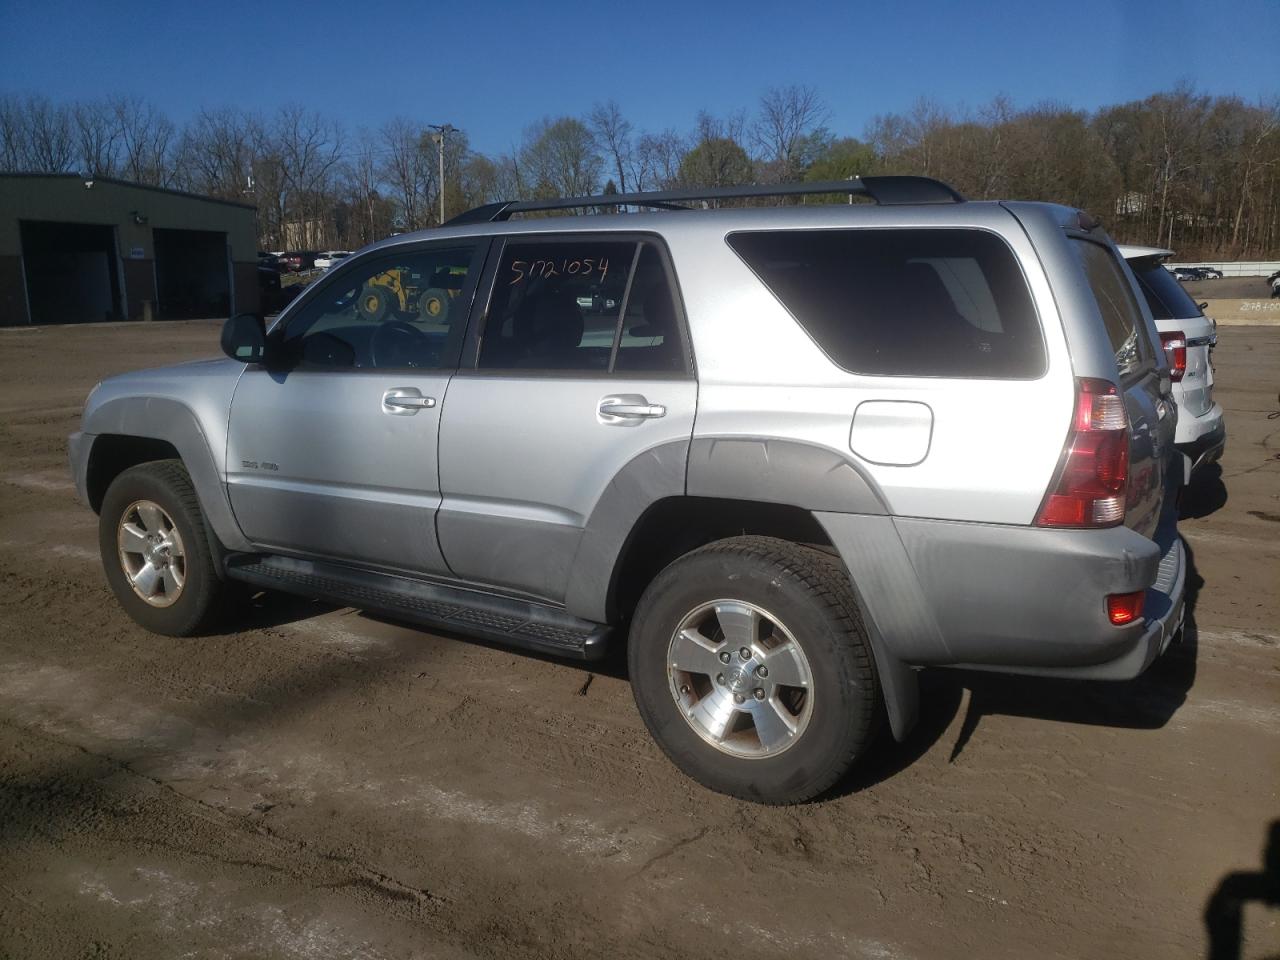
{"x": 332, "y": 451}
{"x": 580, "y": 378}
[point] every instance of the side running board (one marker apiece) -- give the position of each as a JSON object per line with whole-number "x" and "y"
{"x": 505, "y": 620}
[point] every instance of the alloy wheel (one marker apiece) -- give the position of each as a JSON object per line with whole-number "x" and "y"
{"x": 740, "y": 679}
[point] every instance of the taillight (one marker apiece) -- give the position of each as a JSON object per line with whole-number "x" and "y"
{"x": 1089, "y": 490}
{"x": 1125, "y": 608}
{"x": 1175, "y": 351}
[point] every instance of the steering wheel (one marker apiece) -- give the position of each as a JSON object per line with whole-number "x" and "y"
{"x": 398, "y": 343}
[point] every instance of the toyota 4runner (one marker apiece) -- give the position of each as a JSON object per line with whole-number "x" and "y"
{"x": 789, "y": 455}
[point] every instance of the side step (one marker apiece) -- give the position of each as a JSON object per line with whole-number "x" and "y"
{"x": 519, "y": 623}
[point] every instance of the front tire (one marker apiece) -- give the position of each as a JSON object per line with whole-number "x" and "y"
{"x": 156, "y": 550}
{"x": 752, "y": 671}
{"x": 374, "y": 303}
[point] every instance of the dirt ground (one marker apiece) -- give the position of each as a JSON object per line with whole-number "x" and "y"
{"x": 323, "y": 784}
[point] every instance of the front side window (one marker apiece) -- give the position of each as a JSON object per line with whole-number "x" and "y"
{"x": 402, "y": 310}
{"x": 896, "y": 302}
{"x": 581, "y": 305}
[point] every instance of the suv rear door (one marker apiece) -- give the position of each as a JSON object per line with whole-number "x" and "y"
{"x": 1152, "y": 414}
{"x": 579, "y": 368}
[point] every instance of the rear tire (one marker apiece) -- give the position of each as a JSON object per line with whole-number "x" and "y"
{"x": 156, "y": 551}
{"x": 433, "y": 306}
{"x": 796, "y": 702}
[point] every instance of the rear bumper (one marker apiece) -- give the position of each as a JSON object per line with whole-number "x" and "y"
{"x": 1012, "y": 599}
{"x": 1208, "y": 442}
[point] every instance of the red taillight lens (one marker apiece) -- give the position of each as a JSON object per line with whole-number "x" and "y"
{"x": 1125, "y": 608}
{"x": 1089, "y": 490}
{"x": 1175, "y": 351}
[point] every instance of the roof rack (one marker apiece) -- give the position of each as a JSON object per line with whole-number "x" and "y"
{"x": 883, "y": 190}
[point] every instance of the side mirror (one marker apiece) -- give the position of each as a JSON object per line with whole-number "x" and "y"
{"x": 244, "y": 338}
{"x": 1202, "y": 304}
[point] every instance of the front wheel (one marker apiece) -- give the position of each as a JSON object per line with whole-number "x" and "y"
{"x": 156, "y": 552}
{"x": 374, "y": 303}
{"x": 751, "y": 668}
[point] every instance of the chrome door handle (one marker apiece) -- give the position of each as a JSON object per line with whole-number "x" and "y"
{"x": 633, "y": 409}
{"x": 405, "y": 400}
{"x": 629, "y": 407}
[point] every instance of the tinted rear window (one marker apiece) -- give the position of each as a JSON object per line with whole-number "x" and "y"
{"x": 1164, "y": 294}
{"x": 922, "y": 303}
{"x": 1120, "y": 311}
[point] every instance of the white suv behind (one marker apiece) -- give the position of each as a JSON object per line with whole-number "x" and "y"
{"x": 1188, "y": 337}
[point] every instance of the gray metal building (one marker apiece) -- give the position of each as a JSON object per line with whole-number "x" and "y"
{"x": 76, "y": 249}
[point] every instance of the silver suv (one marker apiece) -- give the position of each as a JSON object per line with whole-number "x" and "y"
{"x": 789, "y": 455}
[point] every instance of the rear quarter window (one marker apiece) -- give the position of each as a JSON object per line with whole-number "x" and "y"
{"x": 1121, "y": 314}
{"x": 918, "y": 303}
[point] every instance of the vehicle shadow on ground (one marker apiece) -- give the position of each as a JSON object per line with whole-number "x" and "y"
{"x": 1145, "y": 703}
{"x": 262, "y": 610}
{"x": 1205, "y": 494}
{"x": 1224, "y": 912}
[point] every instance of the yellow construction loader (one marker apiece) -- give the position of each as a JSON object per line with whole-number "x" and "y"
{"x": 402, "y": 294}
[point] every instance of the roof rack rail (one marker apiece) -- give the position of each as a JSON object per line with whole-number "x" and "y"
{"x": 883, "y": 190}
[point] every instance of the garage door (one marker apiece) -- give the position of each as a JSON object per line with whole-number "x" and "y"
{"x": 192, "y": 274}
{"x": 71, "y": 271}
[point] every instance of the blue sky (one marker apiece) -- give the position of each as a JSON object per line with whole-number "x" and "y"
{"x": 493, "y": 68}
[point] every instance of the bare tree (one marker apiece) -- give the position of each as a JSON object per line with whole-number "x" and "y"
{"x": 613, "y": 133}
{"x": 656, "y": 160}
{"x": 1176, "y": 122}
{"x": 787, "y": 115}
{"x": 1257, "y": 156}
{"x": 97, "y": 138}
{"x": 145, "y": 139}
{"x": 732, "y": 127}
{"x": 217, "y": 152}
{"x": 1205, "y": 170}
{"x": 36, "y": 135}
{"x": 13, "y": 133}
{"x": 310, "y": 149}
{"x": 408, "y": 169}
{"x": 370, "y": 215}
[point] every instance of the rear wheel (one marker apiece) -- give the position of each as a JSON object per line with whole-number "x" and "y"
{"x": 155, "y": 550}
{"x": 751, "y": 669}
{"x": 433, "y": 305}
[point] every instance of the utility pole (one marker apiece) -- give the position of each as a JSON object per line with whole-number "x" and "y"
{"x": 442, "y": 130}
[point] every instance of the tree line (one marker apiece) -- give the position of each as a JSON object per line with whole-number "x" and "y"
{"x": 1182, "y": 169}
